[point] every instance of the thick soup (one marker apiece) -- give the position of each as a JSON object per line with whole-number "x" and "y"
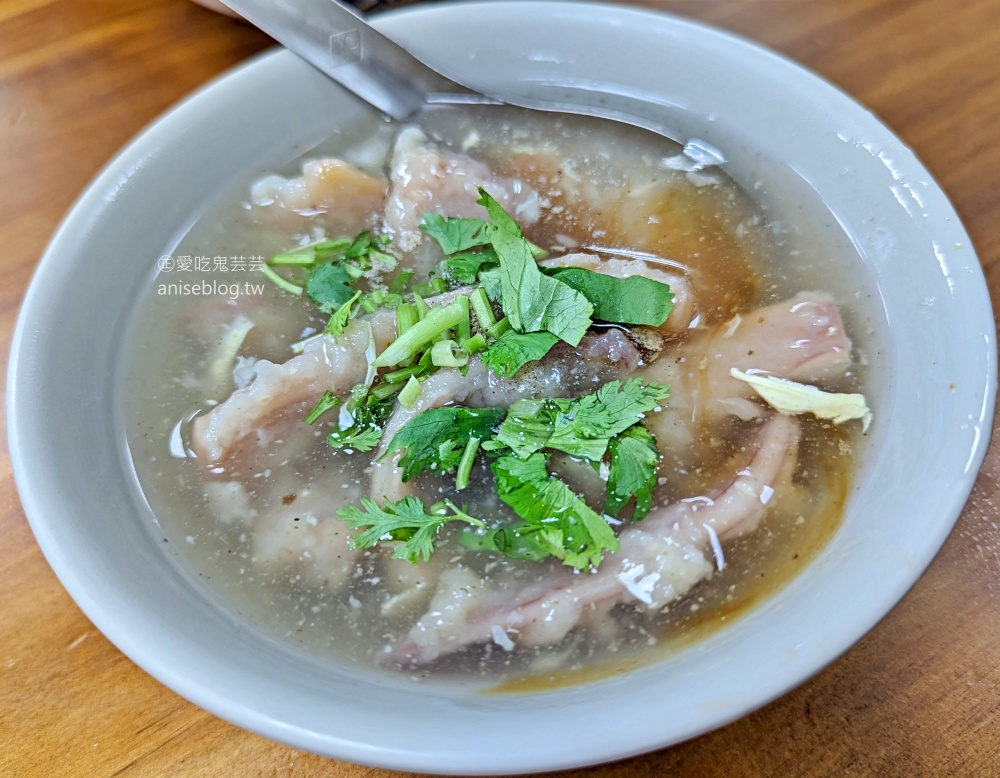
{"x": 495, "y": 397}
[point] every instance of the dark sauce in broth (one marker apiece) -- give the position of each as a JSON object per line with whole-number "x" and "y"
{"x": 739, "y": 256}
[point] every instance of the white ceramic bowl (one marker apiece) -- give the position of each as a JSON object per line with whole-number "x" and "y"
{"x": 936, "y": 383}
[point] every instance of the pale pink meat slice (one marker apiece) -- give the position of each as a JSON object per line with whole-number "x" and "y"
{"x": 802, "y": 338}
{"x": 307, "y": 539}
{"x": 659, "y": 561}
{"x": 428, "y": 179}
{"x": 343, "y": 197}
{"x": 324, "y": 364}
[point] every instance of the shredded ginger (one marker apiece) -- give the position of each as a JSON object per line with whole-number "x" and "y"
{"x": 794, "y": 398}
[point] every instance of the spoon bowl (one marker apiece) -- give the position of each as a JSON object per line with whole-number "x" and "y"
{"x": 337, "y": 40}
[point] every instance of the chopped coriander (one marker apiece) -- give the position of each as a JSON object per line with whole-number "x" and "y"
{"x": 514, "y": 542}
{"x": 533, "y": 301}
{"x": 365, "y": 430}
{"x": 340, "y": 318}
{"x": 465, "y": 266}
{"x": 565, "y": 525}
{"x": 455, "y": 234}
{"x": 513, "y": 350}
{"x": 329, "y": 286}
{"x": 406, "y": 521}
{"x": 595, "y": 418}
{"x": 327, "y": 402}
{"x": 582, "y": 427}
{"x": 632, "y": 300}
{"x": 435, "y": 439}
{"x": 632, "y": 473}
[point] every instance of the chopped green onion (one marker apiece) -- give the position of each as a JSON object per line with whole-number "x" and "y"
{"x": 537, "y": 251}
{"x": 410, "y": 392}
{"x": 299, "y": 346}
{"x": 422, "y": 307}
{"x": 330, "y": 246}
{"x": 498, "y": 329}
{"x": 437, "y": 321}
{"x": 280, "y": 282}
{"x": 446, "y": 353}
{"x": 463, "y": 330}
{"x": 384, "y": 391}
{"x": 465, "y": 464}
{"x": 406, "y": 317}
{"x": 474, "y": 345}
{"x": 380, "y": 256}
{"x": 400, "y": 282}
{"x": 354, "y": 271}
{"x": 432, "y": 287}
{"x": 482, "y": 308}
{"x": 293, "y": 258}
{"x": 398, "y": 376}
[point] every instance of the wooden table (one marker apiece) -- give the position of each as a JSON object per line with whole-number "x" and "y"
{"x": 919, "y": 696}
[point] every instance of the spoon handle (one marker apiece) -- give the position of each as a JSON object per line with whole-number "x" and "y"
{"x": 337, "y": 40}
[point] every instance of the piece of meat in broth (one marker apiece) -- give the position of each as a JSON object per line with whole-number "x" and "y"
{"x": 802, "y": 338}
{"x": 244, "y": 417}
{"x": 330, "y": 192}
{"x": 428, "y": 179}
{"x": 660, "y": 560}
{"x": 684, "y": 298}
{"x": 306, "y": 539}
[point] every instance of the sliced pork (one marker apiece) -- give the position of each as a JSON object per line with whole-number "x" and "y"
{"x": 660, "y": 559}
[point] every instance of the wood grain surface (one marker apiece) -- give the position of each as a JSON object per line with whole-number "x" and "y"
{"x": 918, "y": 696}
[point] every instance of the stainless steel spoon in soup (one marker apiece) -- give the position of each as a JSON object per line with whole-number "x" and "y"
{"x": 337, "y": 40}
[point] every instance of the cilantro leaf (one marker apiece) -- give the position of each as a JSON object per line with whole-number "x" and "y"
{"x": 365, "y": 431}
{"x": 531, "y": 300}
{"x": 367, "y": 248}
{"x": 513, "y": 350}
{"x": 582, "y": 427}
{"x": 405, "y": 520}
{"x": 327, "y": 402}
{"x": 563, "y": 523}
{"x": 513, "y": 542}
{"x": 329, "y": 286}
{"x": 633, "y": 472}
{"x": 464, "y": 267}
{"x": 455, "y": 234}
{"x": 435, "y": 439}
{"x": 340, "y": 318}
{"x": 595, "y": 418}
{"x": 632, "y": 300}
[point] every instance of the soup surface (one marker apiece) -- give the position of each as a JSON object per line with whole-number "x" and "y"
{"x": 476, "y": 398}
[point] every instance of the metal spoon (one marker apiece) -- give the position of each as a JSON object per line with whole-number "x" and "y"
{"x": 338, "y": 41}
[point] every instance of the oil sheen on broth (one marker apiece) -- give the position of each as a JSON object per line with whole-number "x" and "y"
{"x": 254, "y": 514}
